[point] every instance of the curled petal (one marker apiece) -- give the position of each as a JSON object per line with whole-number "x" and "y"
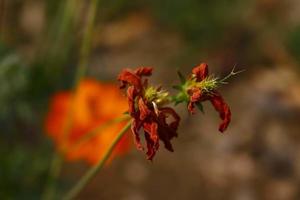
{"x": 170, "y": 111}
{"x": 191, "y": 107}
{"x": 144, "y": 110}
{"x": 151, "y": 129}
{"x": 135, "y": 127}
{"x": 195, "y": 96}
{"x": 128, "y": 77}
{"x": 151, "y": 147}
{"x": 223, "y": 109}
{"x": 143, "y": 71}
{"x": 131, "y": 97}
{"x": 167, "y": 130}
{"x": 166, "y": 133}
{"x": 167, "y": 143}
{"x": 201, "y": 71}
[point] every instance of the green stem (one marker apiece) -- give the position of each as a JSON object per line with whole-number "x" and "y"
{"x": 84, "y": 53}
{"x": 86, "y": 42}
{"x": 57, "y": 159}
{"x": 2, "y": 20}
{"x": 96, "y": 130}
{"x": 83, "y": 60}
{"x": 95, "y": 169}
{"x": 55, "y": 168}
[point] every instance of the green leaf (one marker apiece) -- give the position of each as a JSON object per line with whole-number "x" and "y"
{"x": 176, "y": 102}
{"x": 182, "y": 79}
{"x": 200, "y": 107}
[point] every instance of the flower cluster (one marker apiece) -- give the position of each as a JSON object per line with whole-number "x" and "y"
{"x": 201, "y": 87}
{"x": 146, "y": 107}
{"x": 148, "y": 104}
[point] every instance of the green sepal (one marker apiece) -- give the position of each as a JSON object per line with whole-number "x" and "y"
{"x": 200, "y": 107}
{"x": 178, "y": 99}
{"x": 176, "y": 102}
{"x": 182, "y": 79}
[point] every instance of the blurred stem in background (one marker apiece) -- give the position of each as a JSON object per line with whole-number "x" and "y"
{"x": 86, "y": 43}
{"x": 98, "y": 129}
{"x": 64, "y": 24}
{"x": 53, "y": 174}
{"x": 59, "y": 36}
{"x": 57, "y": 161}
{"x": 95, "y": 169}
{"x": 2, "y": 19}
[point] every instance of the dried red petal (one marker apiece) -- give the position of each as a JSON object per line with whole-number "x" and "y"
{"x": 151, "y": 148}
{"x": 195, "y": 96}
{"x": 223, "y": 109}
{"x": 144, "y": 110}
{"x": 201, "y": 71}
{"x": 135, "y": 127}
{"x": 152, "y": 120}
{"x": 152, "y": 138}
{"x": 143, "y": 71}
{"x": 151, "y": 128}
{"x": 128, "y": 77}
{"x": 167, "y": 131}
{"x": 157, "y": 129}
{"x": 131, "y": 97}
{"x": 170, "y": 111}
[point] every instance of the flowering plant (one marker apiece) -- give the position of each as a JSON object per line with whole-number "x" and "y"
{"x": 86, "y": 125}
{"x": 149, "y": 105}
{"x": 149, "y": 109}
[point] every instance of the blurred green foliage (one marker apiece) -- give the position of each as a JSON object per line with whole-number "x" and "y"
{"x": 200, "y": 21}
{"x": 13, "y": 83}
{"x": 293, "y": 42}
{"x": 23, "y": 171}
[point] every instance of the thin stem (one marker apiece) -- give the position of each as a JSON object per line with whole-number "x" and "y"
{"x": 96, "y": 130}
{"x": 95, "y": 169}
{"x": 86, "y": 42}
{"x": 57, "y": 159}
{"x": 61, "y": 26}
{"x": 83, "y": 60}
{"x": 56, "y": 163}
{"x": 2, "y": 19}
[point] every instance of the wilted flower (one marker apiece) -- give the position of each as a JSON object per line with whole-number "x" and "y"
{"x": 147, "y": 104}
{"x": 92, "y": 104}
{"x": 201, "y": 87}
{"x": 146, "y": 107}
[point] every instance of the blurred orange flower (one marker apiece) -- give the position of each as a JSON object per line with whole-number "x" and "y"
{"x": 92, "y": 104}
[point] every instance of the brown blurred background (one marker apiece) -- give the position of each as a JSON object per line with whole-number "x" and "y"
{"x": 256, "y": 158}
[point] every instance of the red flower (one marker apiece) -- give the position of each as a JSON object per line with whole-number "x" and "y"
{"x": 202, "y": 88}
{"x": 145, "y": 107}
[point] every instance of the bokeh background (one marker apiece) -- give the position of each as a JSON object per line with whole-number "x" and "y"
{"x": 256, "y": 158}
